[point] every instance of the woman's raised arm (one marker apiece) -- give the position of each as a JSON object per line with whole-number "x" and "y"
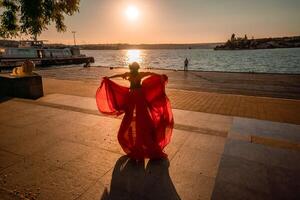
{"x": 119, "y": 75}
{"x": 144, "y": 74}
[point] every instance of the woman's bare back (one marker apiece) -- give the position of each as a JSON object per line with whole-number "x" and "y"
{"x": 136, "y": 78}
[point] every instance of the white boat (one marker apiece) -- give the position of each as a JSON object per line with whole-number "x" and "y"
{"x": 41, "y": 55}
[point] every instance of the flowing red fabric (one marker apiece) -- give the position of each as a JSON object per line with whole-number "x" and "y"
{"x": 148, "y": 121}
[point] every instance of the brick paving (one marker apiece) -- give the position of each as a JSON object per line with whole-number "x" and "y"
{"x": 265, "y": 108}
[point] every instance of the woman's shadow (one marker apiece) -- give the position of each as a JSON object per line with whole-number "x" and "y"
{"x": 132, "y": 181}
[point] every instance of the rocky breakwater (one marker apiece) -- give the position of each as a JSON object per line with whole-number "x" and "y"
{"x": 262, "y": 43}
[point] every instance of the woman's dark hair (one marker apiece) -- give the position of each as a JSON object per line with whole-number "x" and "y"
{"x": 134, "y": 66}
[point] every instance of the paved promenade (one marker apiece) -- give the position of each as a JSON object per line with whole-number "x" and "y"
{"x": 59, "y": 147}
{"x": 224, "y": 146}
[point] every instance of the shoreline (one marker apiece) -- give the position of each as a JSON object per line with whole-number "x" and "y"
{"x": 166, "y": 69}
{"x": 186, "y": 49}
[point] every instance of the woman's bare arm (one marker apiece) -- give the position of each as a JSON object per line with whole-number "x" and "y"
{"x": 144, "y": 74}
{"x": 119, "y": 75}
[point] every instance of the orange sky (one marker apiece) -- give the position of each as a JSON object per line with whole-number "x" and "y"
{"x": 178, "y": 21}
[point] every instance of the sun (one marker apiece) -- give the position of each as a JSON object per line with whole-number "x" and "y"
{"x": 132, "y": 12}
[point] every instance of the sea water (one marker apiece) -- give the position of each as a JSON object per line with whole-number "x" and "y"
{"x": 265, "y": 60}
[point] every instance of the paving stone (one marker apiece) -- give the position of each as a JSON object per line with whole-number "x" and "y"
{"x": 63, "y": 185}
{"x": 107, "y": 138}
{"x": 25, "y": 177}
{"x": 266, "y": 128}
{"x": 192, "y": 185}
{"x": 25, "y": 141}
{"x": 89, "y": 120}
{"x": 192, "y": 118}
{"x": 84, "y": 135}
{"x": 238, "y": 136}
{"x": 207, "y": 143}
{"x": 93, "y": 164}
{"x": 242, "y": 179}
{"x": 67, "y": 117}
{"x": 243, "y": 126}
{"x": 189, "y": 173}
{"x": 59, "y": 154}
{"x": 96, "y": 192}
{"x": 203, "y": 120}
{"x": 246, "y": 174}
{"x": 8, "y": 117}
{"x": 197, "y": 161}
{"x": 8, "y": 159}
{"x": 31, "y": 146}
{"x": 28, "y": 107}
{"x": 50, "y": 126}
{"x": 70, "y": 100}
{"x": 24, "y": 120}
{"x": 289, "y": 159}
{"x": 61, "y": 129}
{"x": 284, "y": 183}
{"x": 9, "y": 194}
{"x": 227, "y": 191}
{"x": 9, "y": 135}
{"x": 177, "y": 140}
{"x": 20, "y": 114}
{"x": 13, "y": 107}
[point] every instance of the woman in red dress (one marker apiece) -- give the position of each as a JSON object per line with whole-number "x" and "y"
{"x": 148, "y": 122}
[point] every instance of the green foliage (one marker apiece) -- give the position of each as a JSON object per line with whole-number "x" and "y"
{"x": 8, "y": 19}
{"x": 33, "y": 16}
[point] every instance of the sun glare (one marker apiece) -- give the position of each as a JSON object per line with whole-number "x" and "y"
{"x": 132, "y": 12}
{"x": 133, "y": 55}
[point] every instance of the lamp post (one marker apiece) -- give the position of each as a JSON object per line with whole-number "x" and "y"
{"x": 74, "y": 32}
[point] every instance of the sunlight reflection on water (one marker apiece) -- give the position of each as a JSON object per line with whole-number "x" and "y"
{"x": 133, "y": 55}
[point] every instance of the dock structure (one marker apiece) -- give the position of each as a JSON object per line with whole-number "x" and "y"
{"x": 41, "y": 55}
{"x": 11, "y": 63}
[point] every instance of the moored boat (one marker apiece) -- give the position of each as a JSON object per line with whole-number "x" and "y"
{"x": 41, "y": 55}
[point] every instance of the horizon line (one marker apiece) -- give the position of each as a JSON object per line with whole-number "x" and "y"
{"x": 124, "y": 43}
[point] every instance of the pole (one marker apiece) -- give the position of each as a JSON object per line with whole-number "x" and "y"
{"x": 34, "y": 37}
{"x": 74, "y": 32}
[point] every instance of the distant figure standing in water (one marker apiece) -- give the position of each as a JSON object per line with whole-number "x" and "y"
{"x": 148, "y": 121}
{"x": 186, "y": 64}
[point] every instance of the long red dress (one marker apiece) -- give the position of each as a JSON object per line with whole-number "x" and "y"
{"x": 148, "y": 122}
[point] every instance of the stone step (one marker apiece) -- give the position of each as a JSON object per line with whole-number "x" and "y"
{"x": 281, "y": 135}
{"x": 206, "y": 123}
{"x": 254, "y": 171}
